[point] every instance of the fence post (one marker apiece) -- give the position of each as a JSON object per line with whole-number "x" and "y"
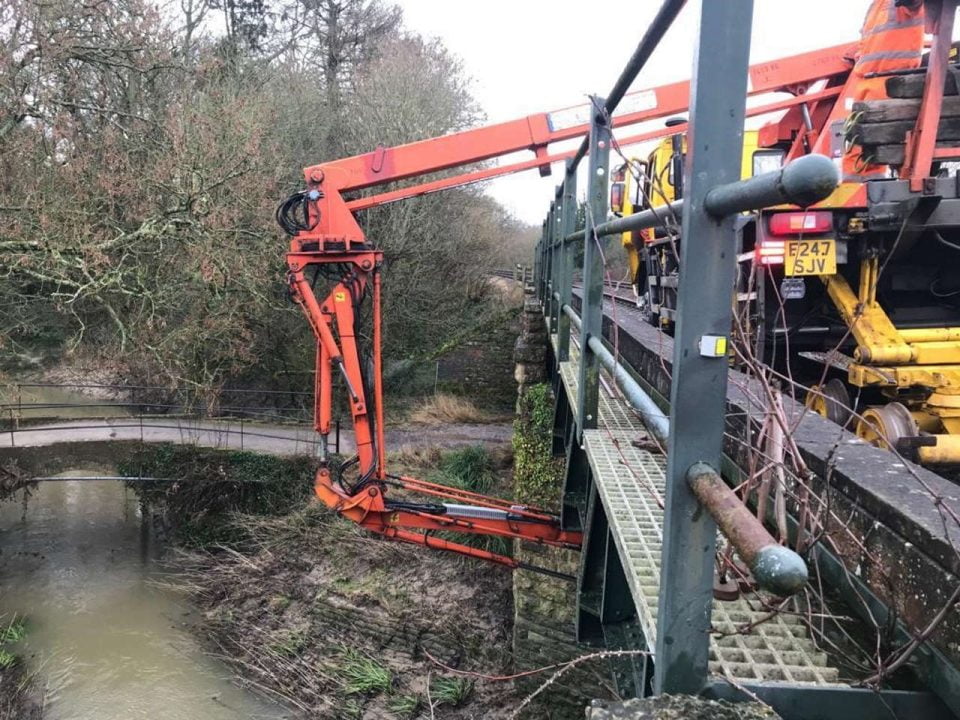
{"x": 699, "y": 383}
{"x": 536, "y": 268}
{"x": 556, "y": 248}
{"x": 591, "y": 311}
{"x": 568, "y": 218}
{"x": 536, "y": 253}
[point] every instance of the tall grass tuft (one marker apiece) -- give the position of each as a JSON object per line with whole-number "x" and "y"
{"x": 14, "y": 632}
{"x": 450, "y": 691}
{"x": 7, "y": 659}
{"x": 469, "y": 468}
{"x": 444, "y": 408}
{"x": 364, "y": 675}
{"x": 472, "y": 469}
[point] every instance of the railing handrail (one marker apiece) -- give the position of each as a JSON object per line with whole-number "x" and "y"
{"x": 648, "y": 43}
{"x": 802, "y": 182}
{"x": 697, "y": 502}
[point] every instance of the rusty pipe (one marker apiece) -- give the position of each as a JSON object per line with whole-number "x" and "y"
{"x": 777, "y": 569}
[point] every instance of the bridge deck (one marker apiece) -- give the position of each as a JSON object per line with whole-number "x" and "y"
{"x": 630, "y": 481}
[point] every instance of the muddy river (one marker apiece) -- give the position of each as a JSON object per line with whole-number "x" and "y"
{"x": 107, "y": 639}
{"x": 39, "y": 401}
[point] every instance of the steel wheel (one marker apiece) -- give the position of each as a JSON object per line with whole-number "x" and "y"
{"x": 831, "y": 400}
{"x": 884, "y": 425}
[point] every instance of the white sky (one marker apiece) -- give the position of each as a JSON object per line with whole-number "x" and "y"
{"x": 530, "y": 56}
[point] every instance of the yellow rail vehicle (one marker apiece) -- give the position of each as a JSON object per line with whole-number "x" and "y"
{"x": 655, "y": 182}
{"x": 858, "y": 297}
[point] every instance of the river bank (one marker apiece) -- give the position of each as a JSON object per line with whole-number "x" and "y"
{"x": 333, "y": 622}
{"x": 20, "y": 698}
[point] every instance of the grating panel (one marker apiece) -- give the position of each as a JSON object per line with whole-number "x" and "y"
{"x": 615, "y": 413}
{"x": 631, "y": 484}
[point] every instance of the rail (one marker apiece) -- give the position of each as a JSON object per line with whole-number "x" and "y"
{"x": 776, "y": 568}
{"x": 651, "y": 38}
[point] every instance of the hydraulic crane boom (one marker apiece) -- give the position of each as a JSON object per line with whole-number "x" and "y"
{"x": 328, "y": 242}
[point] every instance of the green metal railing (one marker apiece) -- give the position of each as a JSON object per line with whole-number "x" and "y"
{"x": 713, "y": 197}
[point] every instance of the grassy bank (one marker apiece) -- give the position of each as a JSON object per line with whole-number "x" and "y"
{"x": 213, "y": 485}
{"x": 312, "y": 611}
{"x": 20, "y": 699}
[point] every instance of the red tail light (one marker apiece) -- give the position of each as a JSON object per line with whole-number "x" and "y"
{"x": 770, "y": 252}
{"x": 801, "y": 223}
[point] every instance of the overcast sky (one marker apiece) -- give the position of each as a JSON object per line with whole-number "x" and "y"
{"x": 529, "y": 56}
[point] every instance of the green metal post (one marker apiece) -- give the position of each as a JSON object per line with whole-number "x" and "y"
{"x": 548, "y": 237}
{"x": 543, "y": 264}
{"x": 568, "y": 218}
{"x": 536, "y": 265}
{"x": 556, "y": 262}
{"x": 699, "y": 384}
{"x": 591, "y": 312}
{"x": 536, "y": 268}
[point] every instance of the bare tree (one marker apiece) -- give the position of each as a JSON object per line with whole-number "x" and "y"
{"x": 140, "y": 164}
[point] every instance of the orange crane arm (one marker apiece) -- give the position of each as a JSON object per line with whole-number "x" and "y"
{"x": 327, "y": 241}
{"x": 794, "y": 74}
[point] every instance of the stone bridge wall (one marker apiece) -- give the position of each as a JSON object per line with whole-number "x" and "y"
{"x": 544, "y": 632}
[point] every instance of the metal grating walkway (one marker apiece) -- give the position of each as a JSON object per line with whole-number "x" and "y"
{"x": 630, "y": 482}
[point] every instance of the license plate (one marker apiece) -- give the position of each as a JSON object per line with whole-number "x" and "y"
{"x": 811, "y": 257}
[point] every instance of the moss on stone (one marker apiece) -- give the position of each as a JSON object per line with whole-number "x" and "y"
{"x": 538, "y": 476}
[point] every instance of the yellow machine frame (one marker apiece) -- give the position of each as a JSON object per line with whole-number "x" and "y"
{"x": 918, "y": 369}
{"x": 901, "y": 361}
